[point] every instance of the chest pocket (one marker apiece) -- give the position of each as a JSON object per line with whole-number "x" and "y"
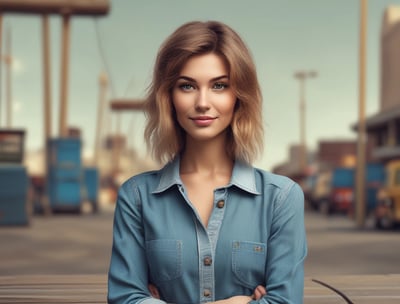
{"x": 165, "y": 259}
{"x": 248, "y": 262}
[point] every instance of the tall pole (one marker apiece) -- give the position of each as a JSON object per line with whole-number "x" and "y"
{"x": 302, "y": 76}
{"x": 1, "y": 64}
{"x": 47, "y": 78}
{"x": 100, "y": 110}
{"x": 361, "y": 139}
{"x": 8, "y": 60}
{"x": 303, "y": 144}
{"x": 63, "y": 127}
{"x": 117, "y": 144}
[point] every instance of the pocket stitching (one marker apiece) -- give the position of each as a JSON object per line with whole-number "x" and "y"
{"x": 172, "y": 245}
{"x": 248, "y": 247}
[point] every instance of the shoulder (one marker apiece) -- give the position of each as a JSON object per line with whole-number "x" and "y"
{"x": 282, "y": 187}
{"x": 147, "y": 178}
{"x": 274, "y": 180}
{"x": 133, "y": 191}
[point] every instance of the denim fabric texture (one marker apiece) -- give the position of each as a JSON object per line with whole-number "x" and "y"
{"x": 255, "y": 236}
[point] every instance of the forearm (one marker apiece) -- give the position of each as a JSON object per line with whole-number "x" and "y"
{"x": 234, "y": 300}
{"x": 258, "y": 293}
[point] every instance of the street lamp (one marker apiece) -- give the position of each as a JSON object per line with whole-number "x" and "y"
{"x": 302, "y": 76}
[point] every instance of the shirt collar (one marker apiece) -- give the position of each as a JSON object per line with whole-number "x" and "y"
{"x": 243, "y": 177}
{"x": 169, "y": 176}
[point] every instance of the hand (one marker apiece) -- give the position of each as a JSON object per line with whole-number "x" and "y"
{"x": 259, "y": 292}
{"x": 154, "y": 291}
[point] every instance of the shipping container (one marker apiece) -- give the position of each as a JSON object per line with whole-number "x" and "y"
{"x": 14, "y": 205}
{"x": 64, "y": 175}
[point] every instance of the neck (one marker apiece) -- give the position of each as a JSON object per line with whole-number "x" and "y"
{"x": 205, "y": 156}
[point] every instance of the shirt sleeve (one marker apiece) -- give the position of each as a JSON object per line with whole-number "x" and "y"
{"x": 128, "y": 272}
{"x": 287, "y": 250}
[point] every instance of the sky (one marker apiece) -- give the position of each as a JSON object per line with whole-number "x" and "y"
{"x": 284, "y": 37}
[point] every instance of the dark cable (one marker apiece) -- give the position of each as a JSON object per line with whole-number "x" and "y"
{"x": 348, "y": 301}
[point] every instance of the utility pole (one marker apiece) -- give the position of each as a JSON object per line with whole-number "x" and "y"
{"x": 46, "y": 78}
{"x": 361, "y": 138}
{"x": 63, "y": 125}
{"x": 1, "y": 65}
{"x": 47, "y": 104}
{"x": 8, "y": 61}
{"x": 103, "y": 83}
{"x": 65, "y": 8}
{"x": 302, "y": 77}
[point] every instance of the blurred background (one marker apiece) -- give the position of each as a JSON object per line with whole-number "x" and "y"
{"x": 73, "y": 75}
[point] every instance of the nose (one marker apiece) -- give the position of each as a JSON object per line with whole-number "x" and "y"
{"x": 202, "y": 100}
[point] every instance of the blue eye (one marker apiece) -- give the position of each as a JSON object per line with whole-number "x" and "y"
{"x": 220, "y": 86}
{"x": 186, "y": 86}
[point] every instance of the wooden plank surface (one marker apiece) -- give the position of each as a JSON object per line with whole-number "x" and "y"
{"x": 43, "y": 289}
{"x": 53, "y": 289}
{"x": 363, "y": 289}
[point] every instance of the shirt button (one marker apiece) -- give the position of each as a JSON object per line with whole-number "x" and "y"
{"x": 220, "y": 204}
{"x": 207, "y": 261}
{"x": 206, "y": 292}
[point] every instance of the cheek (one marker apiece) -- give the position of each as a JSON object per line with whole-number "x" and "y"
{"x": 180, "y": 114}
{"x": 229, "y": 106}
{"x": 180, "y": 106}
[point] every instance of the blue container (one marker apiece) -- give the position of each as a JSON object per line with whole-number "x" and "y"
{"x": 375, "y": 179}
{"x": 14, "y": 195}
{"x": 64, "y": 153}
{"x": 65, "y": 194}
{"x": 91, "y": 182}
{"x": 375, "y": 173}
{"x": 65, "y": 176}
{"x": 343, "y": 178}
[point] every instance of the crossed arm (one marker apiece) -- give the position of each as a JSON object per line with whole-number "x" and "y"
{"x": 258, "y": 293}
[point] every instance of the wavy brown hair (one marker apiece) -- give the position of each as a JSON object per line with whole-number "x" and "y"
{"x": 164, "y": 137}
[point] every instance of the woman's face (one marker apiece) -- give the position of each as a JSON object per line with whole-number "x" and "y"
{"x": 203, "y": 99}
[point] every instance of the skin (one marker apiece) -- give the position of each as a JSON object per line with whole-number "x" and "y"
{"x": 204, "y": 104}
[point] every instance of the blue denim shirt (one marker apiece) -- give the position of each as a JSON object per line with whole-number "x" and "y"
{"x": 255, "y": 235}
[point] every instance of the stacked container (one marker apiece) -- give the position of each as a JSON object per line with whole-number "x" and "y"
{"x": 65, "y": 174}
{"x": 14, "y": 184}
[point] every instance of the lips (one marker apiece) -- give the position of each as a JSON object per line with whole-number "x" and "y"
{"x": 203, "y": 121}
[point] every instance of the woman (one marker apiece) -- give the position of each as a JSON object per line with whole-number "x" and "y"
{"x": 207, "y": 227}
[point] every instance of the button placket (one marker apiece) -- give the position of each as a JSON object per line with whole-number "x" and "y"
{"x": 207, "y": 281}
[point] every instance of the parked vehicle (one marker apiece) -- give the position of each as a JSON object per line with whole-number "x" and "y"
{"x": 319, "y": 188}
{"x": 308, "y": 185}
{"x": 387, "y": 212}
{"x": 334, "y": 192}
{"x": 341, "y": 192}
{"x": 375, "y": 179}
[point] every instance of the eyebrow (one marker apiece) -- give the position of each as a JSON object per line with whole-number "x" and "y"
{"x": 211, "y": 80}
